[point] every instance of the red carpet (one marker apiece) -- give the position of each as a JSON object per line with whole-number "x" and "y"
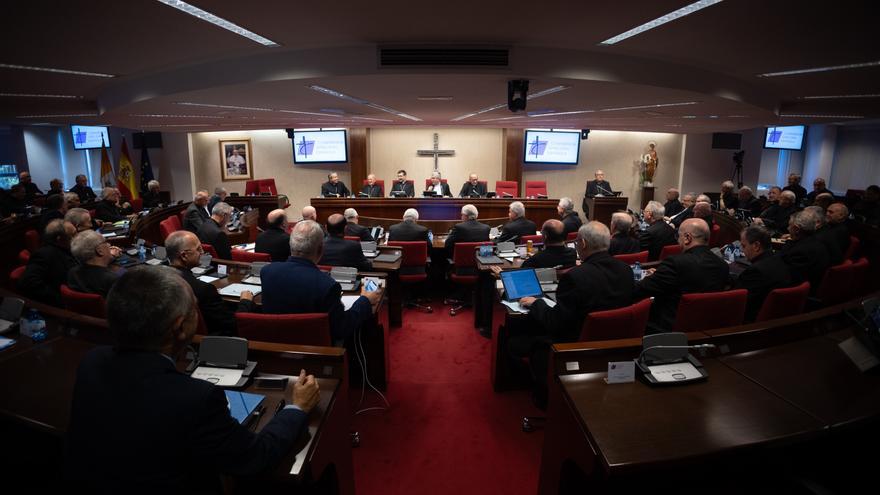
{"x": 447, "y": 431}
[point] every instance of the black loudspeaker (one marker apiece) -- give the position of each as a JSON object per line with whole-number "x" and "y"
{"x": 517, "y": 93}
{"x": 726, "y": 141}
{"x": 142, "y": 140}
{"x": 585, "y": 133}
{"x": 289, "y": 133}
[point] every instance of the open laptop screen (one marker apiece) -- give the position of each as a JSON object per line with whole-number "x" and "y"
{"x": 521, "y": 283}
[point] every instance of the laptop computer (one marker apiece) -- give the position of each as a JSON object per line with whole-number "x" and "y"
{"x": 370, "y": 249}
{"x": 346, "y": 276}
{"x": 10, "y": 312}
{"x": 487, "y": 256}
{"x": 388, "y": 257}
{"x": 547, "y": 278}
{"x": 521, "y": 283}
{"x": 506, "y": 250}
{"x": 377, "y": 233}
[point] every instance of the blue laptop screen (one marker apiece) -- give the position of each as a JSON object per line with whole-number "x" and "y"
{"x": 521, "y": 283}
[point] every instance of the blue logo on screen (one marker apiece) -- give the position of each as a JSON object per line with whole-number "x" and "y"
{"x": 537, "y": 147}
{"x": 80, "y": 137}
{"x": 305, "y": 148}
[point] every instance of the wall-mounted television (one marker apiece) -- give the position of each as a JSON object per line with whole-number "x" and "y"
{"x": 319, "y": 146}
{"x": 552, "y": 147}
{"x": 790, "y": 137}
{"x": 87, "y": 137}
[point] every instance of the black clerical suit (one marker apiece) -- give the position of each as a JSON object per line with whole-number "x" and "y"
{"x": 409, "y": 231}
{"x": 330, "y": 190}
{"x": 515, "y": 229}
{"x": 108, "y": 211}
{"x": 682, "y": 216}
{"x": 767, "y": 272}
{"x": 799, "y": 192}
{"x": 445, "y": 191}
{"x": 151, "y": 199}
{"x": 219, "y": 318}
{"x": 810, "y": 198}
{"x": 807, "y": 259}
{"x": 137, "y": 425}
{"x": 31, "y": 191}
{"x": 469, "y": 190}
{"x": 731, "y": 201}
{"x": 194, "y": 218}
{"x": 571, "y": 223}
{"x": 622, "y": 243}
{"x": 831, "y": 240}
{"x": 673, "y": 207}
{"x": 657, "y": 235}
{"x": 469, "y": 231}
{"x": 752, "y": 206}
{"x": 595, "y": 188}
{"x": 91, "y": 279}
{"x": 359, "y": 231}
{"x": 340, "y": 252}
{"x": 374, "y": 191}
{"x": 275, "y": 242}
{"x": 47, "y": 216}
{"x": 215, "y": 235}
{"x": 85, "y": 193}
{"x": 776, "y": 217}
{"x": 695, "y": 270}
{"x": 552, "y": 256}
{"x": 45, "y": 272}
{"x": 406, "y": 187}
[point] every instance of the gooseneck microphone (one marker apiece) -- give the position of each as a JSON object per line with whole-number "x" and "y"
{"x": 695, "y": 346}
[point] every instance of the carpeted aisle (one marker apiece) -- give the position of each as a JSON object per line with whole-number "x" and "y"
{"x": 447, "y": 432}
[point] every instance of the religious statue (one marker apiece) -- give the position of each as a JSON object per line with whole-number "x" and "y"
{"x": 651, "y": 162}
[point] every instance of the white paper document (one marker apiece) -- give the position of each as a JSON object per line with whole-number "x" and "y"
{"x": 154, "y": 261}
{"x": 223, "y": 377}
{"x": 208, "y": 279}
{"x": 246, "y": 247}
{"x": 235, "y": 290}
{"x": 674, "y": 372}
{"x": 517, "y": 308}
{"x": 253, "y": 280}
{"x": 348, "y": 301}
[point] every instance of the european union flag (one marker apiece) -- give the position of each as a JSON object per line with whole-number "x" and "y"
{"x": 146, "y": 170}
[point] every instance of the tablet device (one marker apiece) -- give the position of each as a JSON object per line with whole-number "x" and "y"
{"x": 521, "y": 283}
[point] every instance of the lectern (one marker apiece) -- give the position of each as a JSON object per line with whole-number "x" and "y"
{"x": 601, "y": 207}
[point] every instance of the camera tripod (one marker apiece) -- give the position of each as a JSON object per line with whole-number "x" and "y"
{"x": 736, "y": 175}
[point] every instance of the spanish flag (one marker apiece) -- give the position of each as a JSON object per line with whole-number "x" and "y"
{"x": 107, "y": 176}
{"x": 125, "y": 179}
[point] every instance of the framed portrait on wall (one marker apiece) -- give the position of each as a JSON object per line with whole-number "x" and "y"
{"x": 236, "y": 159}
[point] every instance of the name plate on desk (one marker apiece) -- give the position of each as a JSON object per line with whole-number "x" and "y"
{"x": 621, "y": 372}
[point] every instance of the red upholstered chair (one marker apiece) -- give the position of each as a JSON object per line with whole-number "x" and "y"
{"x": 413, "y": 268}
{"x": 428, "y": 183}
{"x": 268, "y": 186}
{"x": 705, "y": 311}
{"x": 787, "y": 301}
{"x": 300, "y": 329}
{"x": 861, "y": 284}
{"x": 464, "y": 271}
{"x": 837, "y": 284}
{"x": 715, "y": 236}
{"x": 92, "y": 213}
{"x": 324, "y": 268}
{"x": 571, "y": 236}
{"x": 670, "y": 250}
{"x": 166, "y": 227}
{"x": 250, "y": 256}
{"x": 180, "y": 217}
{"x": 380, "y": 183}
{"x": 252, "y": 188}
{"x": 209, "y": 249}
{"x": 175, "y": 222}
{"x": 83, "y": 303}
{"x": 15, "y": 276}
{"x": 853, "y": 250}
{"x": 510, "y": 187}
{"x": 621, "y": 323}
{"x": 136, "y": 205}
{"x": 535, "y": 238}
{"x": 23, "y": 257}
{"x": 535, "y": 188}
{"x": 32, "y": 240}
{"x": 352, "y": 238}
{"x": 629, "y": 259}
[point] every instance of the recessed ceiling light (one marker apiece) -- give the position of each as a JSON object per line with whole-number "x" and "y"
{"x": 573, "y": 112}
{"x": 30, "y": 95}
{"x": 231, "y": 107}
{"x": 838, "y": 97}
{"x": 57, "y": 115}
{"x": 688, "y": 9}
{"x": 659, "y": 105}
{"x": 218, "y": 21}
{"x": 820, "y": 69}
{"x": 434, "y": 98}
{"x": 817, "y": 116}
{"x": 372, "y": 118}
{"x": 171, "y": 116}
{"x": 688, "y": 116}
{"x": 173, "y": 125}
{"x": 548, "y": 91}
{"x": 361, "y": 101}
{"x": 57, "y": 71}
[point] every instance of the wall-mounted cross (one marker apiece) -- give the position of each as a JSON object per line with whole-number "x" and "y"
{"x": 436, "y": 152}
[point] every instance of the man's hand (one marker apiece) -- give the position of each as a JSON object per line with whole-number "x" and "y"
{"x": 527, "y": 301}
{"x": 115, "y": 251}
{"x": 305, "y": 392}
{"x": 246, "y": 295}
{"x": 758, "y": 221}
{"x": 496, "y": 270}
{"x": 374, "y": 297}
{"x": 647, "y": 272}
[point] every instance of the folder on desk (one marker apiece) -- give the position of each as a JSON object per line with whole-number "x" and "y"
{"x": 242, "y": 404}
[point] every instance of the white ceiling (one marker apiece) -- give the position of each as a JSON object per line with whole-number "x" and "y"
{"x": 710, "y": 60}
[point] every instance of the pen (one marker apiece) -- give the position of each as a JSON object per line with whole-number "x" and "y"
{"x": 280, "y": 406}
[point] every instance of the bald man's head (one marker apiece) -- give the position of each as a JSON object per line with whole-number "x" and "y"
{"x": 693, "y": 232}
{"x": 336, "y": 225}
{"x": 309, "y": 213}
{"x": 702, "y": 210}
{"x": 277, "y": 218}
{"x": 554, "y": 232}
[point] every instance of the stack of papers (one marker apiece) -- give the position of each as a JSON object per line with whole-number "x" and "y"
{"x": 4, "y": 342}
{"x": 222, "y": 377}
{"x": 235, "y": 290}
{"x": 516, "y": 308}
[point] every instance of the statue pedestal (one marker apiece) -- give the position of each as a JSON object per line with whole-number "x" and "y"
{"x": 647, "y": 194}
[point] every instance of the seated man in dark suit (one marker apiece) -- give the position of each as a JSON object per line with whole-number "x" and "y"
{"x": 703, "y": 210}
{"x": 766, "y": 272}
{"x": 196, "y": 212}
{"x": 55, "y": 187}
{"x": 687, "y": 210}
{"x": 401, "y": 186}
{"x": 275, "y": 240}
{"x": 469, "y": 230}
{"x": 352, "y": 229}
{"x": 818, "y": 188}
{"x": 658, "y": 234}
{"x": 518, "y": 225}
{"x": 48, "y": 267}
{"x": 836, "y": 217}
{"x": 555, "y": 252}
{"x": 672, "y": 206}
{"x": 151, "y": 198}
{"x": 184, "y": 249}
{"x": 55, "y": 209}
{"x": 437, "y": 185}
{"x": 473, "y": 188}
{"x": 598, "y": 187}
{"x": 621, "y": 240}
{"x": 108, "y": 209}
{"x": 827, "y": 236}
{"x": 728, "y": 199}
{"x": 152, "y": 317}
{"x": 805, "y": 254}
{"x": 600, "y": 282}
{"x": 571, "y": 221}
{"x": 93, "y": 274}
{"x": 82, "y": 189}
{"x": 298, "y": 286}
{"x": 794, "y": 185}
{"x": 14, "y": 202}
{"x": 30, "y": 189}
{"x": 696, "y": 269}
{"x": 775, "y": 217}
{"x": 409, "y": 229}
{"x": 213, "y": 231}
{"x": 372, "y": 189}
{"x": 334, "y": 188}
{"x": 337, "y": 251}
{"x": 219, "y": 195}
{"x": 747, "y": 202}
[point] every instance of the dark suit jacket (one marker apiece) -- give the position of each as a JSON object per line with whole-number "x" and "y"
{"x": 85, "y": 193}
{"x": 623, "y": 244}
{"x": 151, "y": 199}
{"x": 695, "y": 270}
{"x": 807, "y": 258}
{"x": 445, "y": 187}
{"x": 340, "y": 252}
{"x": 835, "y": 237}
{"x": 600, "y": 282}
{"x": 211, "y": 233}
{"x": 408, "y": 231}
{"x": 731, "y": 201}
{"x": 515, "y": 229}
{"x": 331, "y": 190}
{"x": 218, "y": 316}
{"x": 469, "y": 190}
{"x": 298, "y": 286}
{"x": 10, "y": 205}
{"x": 653, "y": 239}
{"x": 685, "y": 214}
{"x": 798, "y": 191}
{"x": 194, "y": 218}
{"x": 374, "y": 191}
{"x": 776, "y": 217}
{"x": 275, "y": 242}
{"x": 753, "y": 206}
{"x": 108, "y": 211}
{"x": 767, "y": 272}
{"x": 406, "y": 187}
{"x": 469, "y": 231}
{"x": 31, "y": 190}
{"x": 215, "y": 198}
{"x": 47, "y": 216}
{"x": 45, "y": 272}
{"x": 673, "y": 207}
{"x": 571, "y": 223}
{"x": 552, "y": 256}
{"x": 811, "y": 196}
{"x": 91, "y": 279}
{"x": 355, "y": 230}
{"x": 129, "y": 408}
{"x": 596, "y": 187}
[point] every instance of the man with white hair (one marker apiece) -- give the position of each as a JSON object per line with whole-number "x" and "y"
{"x": 409, "y": 229}
{"x": 437, "y": 186}
{"x": 836, "y": 227}
{"x": 598, "y": 187}
{"x": 219, "y": 195}
{"x": 702, "y": 198}
{"x": 469, "y": 230}
{"x": 805, "y": 254}
{"x": 473, "y": 188}
{"x": 687, "y": 204}
{"x": 151, "y": 196}
{"x": 372, "y": 189}
{"x": 571, "y": 221}
{"x": 747, "y": 201}
{"x": 518, "y": 225}
{"x": 82, "y": 189}
{"x": 274, "y": 240}
{"x": 48, "y": 267}
{"x": 673, "y": 206}
{"x": 775, "y": 218}
{"x": 197, "y": 212}
{"x": 213, "y": 230}
{"x": 93, "y": 274}
{"x": 728, "y": 199}
{"x": 352, "y": 228}
{"x": 108, "y": 209}
{"x": 658, "y": 234}
{"x": 621, "y": 240}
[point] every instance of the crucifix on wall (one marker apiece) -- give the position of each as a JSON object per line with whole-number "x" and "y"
{"x": 436, "y": 152}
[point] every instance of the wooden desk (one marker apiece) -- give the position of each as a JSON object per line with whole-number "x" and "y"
{"x": 602, "y": 207}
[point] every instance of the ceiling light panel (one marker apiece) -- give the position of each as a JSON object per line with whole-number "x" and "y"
{"x": 57, "y": 115}
{"x": 361, "y": 101}
{"x": 548, "y": 91}
{"x": 820, "y": 69}
{"x": 32, "y": 95}
{"x": 218, "y": 21}
{"x": 57, "y": 71}
{"x": 839, "y": 97}
{"x": 686, "y": 10}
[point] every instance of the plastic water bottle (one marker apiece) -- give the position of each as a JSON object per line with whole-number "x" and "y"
{"x": 637, "y": 271}
{"x": 728, "y": 253}
{"x": 142, "y": 253}
{"x": 35, "y": 327}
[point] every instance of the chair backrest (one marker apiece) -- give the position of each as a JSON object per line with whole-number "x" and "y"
{"x": 209, "y": 249}
{"x": 837, "y": 284}
{"x": 352, "y": 238}
{"x": 715, "y": 236}
{"x": 32, "y": 240}
{"x": 415, "y": 253}
{"x": 708, "y": 310}
{"x": 301, "y": 329}
{"x": 252, "y": 188}
{"x": 250, "y": 256}
{"x": 787, "y": 301}
{"x": 861, "y": 284}
{"x": 24, "y": 256}
{"x": 175, "y": 222}
{"x": 268, "y": 186}
{"x": 180, "y": 217}
{"x": 853, "y": 250}
{"x": 15, "y": 275}
{"x": 83, "y": 303}
{"x": 166, "y": 227}
{"x": 380, "y": 183}
{"x": 621, "y": 323}
{"x": 571, "y": 236}
{"x": 535, "y": 238}
{"x": 510, "y": 187}
{"x": 535, "y": 188}
{"x": 670, "y": 250}
{"x": 464, "y": 255}
{"x": 137, "y": 204}
{"x": 629, "y": 259}
{"x": 428, "y": 182}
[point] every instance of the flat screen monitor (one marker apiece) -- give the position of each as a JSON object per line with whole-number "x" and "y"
{"x": 320, "y": 146}
{"x": 552, "y": 147}
{"x": 789, "y": 137}
{"x": 87, "y": 137}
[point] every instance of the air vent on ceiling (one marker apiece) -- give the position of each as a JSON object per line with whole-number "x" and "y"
{"x": 396, "y": 57}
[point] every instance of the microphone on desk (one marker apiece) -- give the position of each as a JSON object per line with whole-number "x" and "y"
{"x": 610, "y": 193}
{"x": 695, "y": 346}
{"x": 506, "y": 195}
{"x": 363, "y": 195}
